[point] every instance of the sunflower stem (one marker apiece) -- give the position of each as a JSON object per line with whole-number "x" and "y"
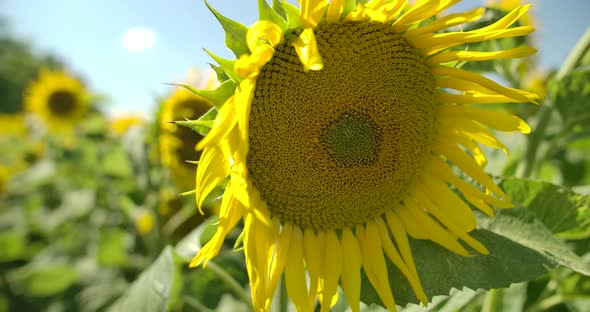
{"x": 546, "y": 112}
{"x": 231, "y": 283}
{"x": 493, "y": 301}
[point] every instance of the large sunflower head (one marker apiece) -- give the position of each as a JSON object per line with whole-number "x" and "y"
{"x": 58, "y": 98}
{"x": 178, "y": 144}
{"x": 344, "y": 133}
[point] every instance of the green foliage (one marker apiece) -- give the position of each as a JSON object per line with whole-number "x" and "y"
{"x": 18, "y": 65}
{"x": 235, "y": 33}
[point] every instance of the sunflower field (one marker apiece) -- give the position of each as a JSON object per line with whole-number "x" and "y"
{"x": 349, "y": 155}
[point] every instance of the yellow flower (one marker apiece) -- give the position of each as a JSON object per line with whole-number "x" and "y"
{"x": 59, "y": 99}
{"x": 177, "y": 144}
{"x": 340, "y": 139}
{"x": 144, "y": 223}
{"x": 121, "y": 124}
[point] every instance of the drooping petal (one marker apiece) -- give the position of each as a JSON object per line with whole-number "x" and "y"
{"x": 331, "y": 269}
{"x": 295, "y": 273}
{"x": 307, "y": 50}
{"x": 351, "y": 269}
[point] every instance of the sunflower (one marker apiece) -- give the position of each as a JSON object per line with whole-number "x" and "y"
{"x": 344, "y": 136}
{"x": 58, "y": 99}
{"x": 177, "y": 144}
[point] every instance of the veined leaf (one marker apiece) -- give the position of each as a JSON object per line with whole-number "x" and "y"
{"x": 155, "y": 287}
{"x": 521, "y": 248}
{"x": 560, "y": 209}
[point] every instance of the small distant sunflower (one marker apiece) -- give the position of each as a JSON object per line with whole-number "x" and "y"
{"x": 58, "y": 99}
{"x": 342, "y": 137}
{"x": 121, "y": 124}
{"x": 178, "y": 144}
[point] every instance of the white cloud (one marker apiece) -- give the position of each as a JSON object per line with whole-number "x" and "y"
{"x": 138, "y": 39}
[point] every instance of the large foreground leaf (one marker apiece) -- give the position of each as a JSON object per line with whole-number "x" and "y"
{"x": 155, "y": 288}
{"x": 521, "y": 248}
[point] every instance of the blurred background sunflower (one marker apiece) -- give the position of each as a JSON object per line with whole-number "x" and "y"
{"x": 177, "y": 143}
{"x": 59, "y": 99}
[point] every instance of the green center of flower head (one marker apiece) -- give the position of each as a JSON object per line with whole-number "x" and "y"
{"x": 334, "y": 148}
{"x": 352, "y": 139}
{"x": 62, "y": 102}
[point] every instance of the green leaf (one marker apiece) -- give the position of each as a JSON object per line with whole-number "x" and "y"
{"x": 217, "y": 96}
{"x": 219, "y": 72}
{"x": 293, "y": 15}
{"x": 560, "y": 209}
{"x": 521, "y": 249}
{"x": 571, "y": 96}
{"x": 349, "y": 6}
{"x": 117, "y": 164}
{"x": 155, "y": 288}
{"x": 266, "y": 13}
{"x": 112, "y": 247}
{"x": 202, "y": 125}
{"x": 75, "y": 204}
{"x": 279, "y": 7}
{"x": 50, "y": 280}
{"x": 235, "y": 33}
{"x": 13, "y": 245}
{"x": 226, "y": 65}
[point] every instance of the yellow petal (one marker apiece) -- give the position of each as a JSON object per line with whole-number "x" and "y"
{"x": 295, "y": 273}
{"x": 395, "y": 257}
{"x": 313, "y": 258}
{"x": 507, "y": 20}
{"x": 433, "y": 43}
{"x": 454, "y": 154}
{"x": 448, "y": 98}
{"x": 401, "y": 239}
{"x": 331, "y": 269}
{"x": 446, "y": 22}
{"x": 415, "y": 14}
{"x": 438, "y": 167}
{"x": 453, "y": 136}
{"x": 307, "y": 50}
{"x": 499, "y": 120}
{"x": 351, "y": 269}
{"x": 229, "y": 215}
{"x": 449, "y": 203}
{"x": 265, "y": 31}
{"x": 425, "y": 201}
{"x": 420, "y": 225}
{"x": 312, "y": 11}
{"x": 475, "y": 131}
{"x": 335, "y": 11}
{"x": 212, "y": 170}
{"x": 280, "y": 257}
{"x": 480, "y": 80}
{"x": 374, "y": 265}
{"x": 469, "y": 56}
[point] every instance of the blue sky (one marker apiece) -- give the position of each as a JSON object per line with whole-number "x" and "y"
{"x": 87, "y": 35}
